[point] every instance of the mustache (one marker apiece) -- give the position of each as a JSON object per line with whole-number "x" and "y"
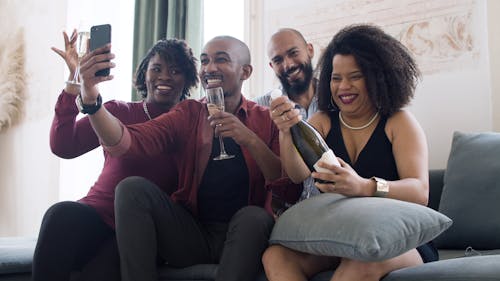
{"x": 299, "y": 86}
{"x": 291, "y": 70}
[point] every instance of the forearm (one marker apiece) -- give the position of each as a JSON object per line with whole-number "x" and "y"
{"x": 70, "y": 138}
{"x": 268, "y": 162}
{"x": 409, "y": 189}
{"x": 291, "y": 160}
{"x": 108, "y": 128}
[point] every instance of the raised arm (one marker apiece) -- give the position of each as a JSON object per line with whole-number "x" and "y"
{"x": 69, "y": 55}
{"x": 70, "y": 138}
{"x": 108, "y": 128}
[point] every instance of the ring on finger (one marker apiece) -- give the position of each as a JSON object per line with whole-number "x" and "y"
{"x": 284, "y": 117}
{"x": 218, "y": 125}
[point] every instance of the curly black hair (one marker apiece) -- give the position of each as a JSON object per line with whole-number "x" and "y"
{"x": 390, "y": 71}
{"x": 174, "y": 51}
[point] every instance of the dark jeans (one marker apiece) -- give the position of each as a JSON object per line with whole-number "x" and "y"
{"x": 150, "y": 225}
{"x": 75, "y": 241}
{"x": 428, "y": 252}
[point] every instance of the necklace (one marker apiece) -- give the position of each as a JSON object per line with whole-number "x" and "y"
{"x": 360, "y": 127}
{"x": 145, "y": 107}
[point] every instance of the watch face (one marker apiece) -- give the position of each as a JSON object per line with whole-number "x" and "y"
{"x": 382, "y": 187}
{"x": 88, "y": 109}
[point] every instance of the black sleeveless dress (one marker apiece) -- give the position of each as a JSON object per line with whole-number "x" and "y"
{"x": 376, "y": 159}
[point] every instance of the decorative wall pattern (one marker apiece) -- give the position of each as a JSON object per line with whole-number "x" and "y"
{"x": 439, "y": 33}
{"x": 12, "y": 74}
{"x": 441, "y": 43}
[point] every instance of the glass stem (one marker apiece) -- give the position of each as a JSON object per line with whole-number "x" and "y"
{"x": 77, "y": 73}
{"x": 222, "y": 148}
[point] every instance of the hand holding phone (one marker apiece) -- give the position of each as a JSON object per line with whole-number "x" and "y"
{"x": 100, "y": 35}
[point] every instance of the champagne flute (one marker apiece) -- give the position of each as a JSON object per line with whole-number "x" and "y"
{"x": 215, "y": 103}
{"x": 82, "y": 39}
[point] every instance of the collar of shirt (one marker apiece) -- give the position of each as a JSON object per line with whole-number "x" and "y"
{"x": 313, "y": 107}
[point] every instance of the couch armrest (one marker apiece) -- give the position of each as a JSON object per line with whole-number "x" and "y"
{"x": 436, "y": 182}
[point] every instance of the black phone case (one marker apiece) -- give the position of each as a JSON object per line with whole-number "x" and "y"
{"x": 100, "y": 35}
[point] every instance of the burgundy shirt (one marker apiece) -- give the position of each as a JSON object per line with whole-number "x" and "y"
{"x": 70, "y": 138}
{"x": 185, "y": 134}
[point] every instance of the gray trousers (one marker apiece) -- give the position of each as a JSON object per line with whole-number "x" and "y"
{"x": 149, "y": 225}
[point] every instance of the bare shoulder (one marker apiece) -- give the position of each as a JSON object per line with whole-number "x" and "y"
{"x": 321, "y": 121}
{"x": 403, "y": 122}
{"x": 401, "y": 116}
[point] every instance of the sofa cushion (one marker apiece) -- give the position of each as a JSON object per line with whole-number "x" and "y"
{"x": 478, "y": 268}
{"x": 361, "y": 228}
{"x": 199, "y": 272}
{"x": 471, "y": 191}
{"x": 469, "y": 252}
{"x": 16, "y": 254}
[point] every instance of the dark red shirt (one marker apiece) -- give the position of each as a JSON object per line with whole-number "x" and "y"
{"x": 70, "y": 138}
{"x": 185, "y": 134}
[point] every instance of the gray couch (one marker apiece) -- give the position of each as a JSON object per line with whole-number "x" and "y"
{"x": 468, "y": 192}
{"x": 455, "y": 264}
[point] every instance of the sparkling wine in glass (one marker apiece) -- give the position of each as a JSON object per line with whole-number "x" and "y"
{"x": 215, "y": 103}
{"x": 82, "y": 39}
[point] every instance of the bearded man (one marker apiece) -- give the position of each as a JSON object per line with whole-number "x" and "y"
{"x": 290, "y": 57}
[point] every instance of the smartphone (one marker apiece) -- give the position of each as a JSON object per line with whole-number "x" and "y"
{"x": 100, "y": 35}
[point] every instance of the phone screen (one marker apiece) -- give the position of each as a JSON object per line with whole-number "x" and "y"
{"x": 100, "y": 35}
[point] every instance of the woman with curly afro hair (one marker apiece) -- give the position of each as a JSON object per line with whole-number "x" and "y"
{"x": 366, "y": 78}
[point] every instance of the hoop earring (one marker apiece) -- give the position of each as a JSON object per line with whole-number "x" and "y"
{"x": 332, "y": 103}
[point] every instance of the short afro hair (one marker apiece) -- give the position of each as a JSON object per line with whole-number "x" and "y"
{"x": 174, "y": 51}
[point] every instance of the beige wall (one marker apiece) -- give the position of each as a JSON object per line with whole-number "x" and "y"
{"x": 31, "y": 177}
{"x": 493, "y": 9}
{"x": 28, "y": 171}
{"x": 459, "y": 91}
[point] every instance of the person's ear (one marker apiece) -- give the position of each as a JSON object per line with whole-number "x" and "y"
{"x": 310, "y": 50}
{"x": 247, "y": 71}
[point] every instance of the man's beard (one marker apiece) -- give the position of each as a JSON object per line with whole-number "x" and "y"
{"x": 300, "y": 86}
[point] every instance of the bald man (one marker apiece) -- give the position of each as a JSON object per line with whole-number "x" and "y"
{"x": 290, "y": 57}
{"x": 217, "y": 214}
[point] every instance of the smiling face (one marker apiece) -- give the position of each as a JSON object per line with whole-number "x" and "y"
{"x": 224, "y": 63}
{"x": 290, "y": 58}
{"x": 164, "y": 82}
{"x": 348, "y": 87}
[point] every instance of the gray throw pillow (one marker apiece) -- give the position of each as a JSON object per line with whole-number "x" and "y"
{"x": 471, "y": 192}
{"x": 359, "y": 228}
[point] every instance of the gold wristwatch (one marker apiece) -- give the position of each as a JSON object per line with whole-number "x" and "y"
{"x": 382, "y": 187}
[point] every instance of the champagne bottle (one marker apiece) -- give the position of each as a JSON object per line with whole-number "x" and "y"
{"x": 310, "y": 144}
